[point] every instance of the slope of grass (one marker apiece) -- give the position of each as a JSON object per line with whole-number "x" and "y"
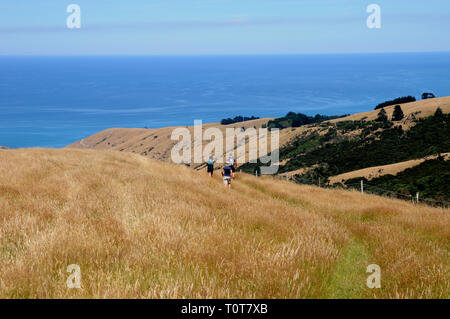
{"x": 431, "y": 178}
{"x": 350, "y": 269}
{"x": 377, "y": 171}
{"x": 377, "y": 144}
{"x": 145, "y": 229}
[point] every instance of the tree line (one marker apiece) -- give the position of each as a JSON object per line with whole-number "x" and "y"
{"x": 293, "y": 119}
{"x": 237, "y": 119}
{"x": 404, "y": 99}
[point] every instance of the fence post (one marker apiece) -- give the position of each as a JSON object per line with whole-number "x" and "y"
{"x": 287, "y": 176}
{"x": 362, "y": 187}
{"x": 319, "y": 181}
{"x": 417, "y": 197}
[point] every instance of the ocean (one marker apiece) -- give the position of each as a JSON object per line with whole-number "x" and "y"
{"x": 55, "y": 101}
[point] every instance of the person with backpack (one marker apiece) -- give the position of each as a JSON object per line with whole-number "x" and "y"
{"x": 232, "y": 163}
{"x": 227, "y": 173}
{"x": 210, "y": 166}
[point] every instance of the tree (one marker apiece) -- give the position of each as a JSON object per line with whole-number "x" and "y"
{"x": 426, "y": 96}
{"x": 382, "y": 116}
{"x": 439, "y": 113}
{"x": 237, "y": 119}
{"x": 398, "y": 113}
{"x": 400, "y": 100}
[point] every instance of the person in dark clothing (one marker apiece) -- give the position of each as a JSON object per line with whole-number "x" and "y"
{"x": 232, "y": 163}
{"x": 227, "y": 173}
{"x": 210, "y": 166}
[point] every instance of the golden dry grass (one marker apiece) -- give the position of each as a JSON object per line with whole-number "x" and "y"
{"x": 420, "y": 109}
{"x": 377, "y": 171}
{"x": 139, "y": 228}
{"x": 154, "y": 143}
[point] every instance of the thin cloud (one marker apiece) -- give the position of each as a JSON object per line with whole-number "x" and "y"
{"x": 168, "y": 25}
{"x": 232, "y": 22}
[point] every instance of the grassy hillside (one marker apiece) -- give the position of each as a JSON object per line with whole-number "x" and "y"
{"x": 430, "y": 178}
{"x": 334, "y": 149}
{"x": 370, "y": 173}
{"x": 152, "y": 143}
{"x": 156, "y": 143}
{"x": 418, "y": 109}
{"x": 142, "y": 228}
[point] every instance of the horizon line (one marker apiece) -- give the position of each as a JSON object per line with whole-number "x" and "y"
{"x": 218, "y": 54}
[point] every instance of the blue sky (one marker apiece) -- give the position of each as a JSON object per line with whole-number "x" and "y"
{"x": 184, "y": 27}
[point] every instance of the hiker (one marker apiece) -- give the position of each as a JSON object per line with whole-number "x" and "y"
{"x": 227, "y": 173}
{"x": 232, "y": 163}
{"x": 210, "y": 166}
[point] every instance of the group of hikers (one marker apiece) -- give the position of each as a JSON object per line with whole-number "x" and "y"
{"x": 227, "y": 171}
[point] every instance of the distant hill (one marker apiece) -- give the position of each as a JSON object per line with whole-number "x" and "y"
{"x": 411, "y": 110}
{"x": 430, "y": 179}
{"x": 377, "y": 171}
{"x": 140, "y": 228}
{"x": 340, "y": 148}
{"x": 151, "y": 143}
{"x": 156, "y": 143}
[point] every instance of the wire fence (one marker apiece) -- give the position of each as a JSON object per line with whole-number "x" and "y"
{"x": 365, "y": 187}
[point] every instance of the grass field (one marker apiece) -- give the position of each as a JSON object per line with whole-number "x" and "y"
{"x": 377, "y": 171}
{"x": 139, "y": 228}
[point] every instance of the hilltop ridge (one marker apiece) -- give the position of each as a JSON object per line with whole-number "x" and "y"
{"x": 156, "y": 143}
{"x": 152, "y": 143}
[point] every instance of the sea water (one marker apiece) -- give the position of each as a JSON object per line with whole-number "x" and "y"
{"x": 55, "y": 101}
